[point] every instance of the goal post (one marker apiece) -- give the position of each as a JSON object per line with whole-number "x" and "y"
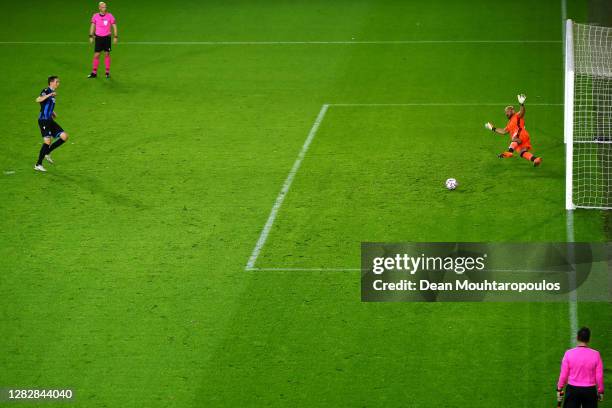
{"x": 588, "y": 116}
{"x": 568, "y": 131}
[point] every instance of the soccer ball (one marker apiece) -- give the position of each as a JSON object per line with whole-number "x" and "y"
{"x": 451, "y": 184}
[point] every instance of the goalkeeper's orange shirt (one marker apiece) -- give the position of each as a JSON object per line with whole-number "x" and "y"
{"x": 516, "y": 127}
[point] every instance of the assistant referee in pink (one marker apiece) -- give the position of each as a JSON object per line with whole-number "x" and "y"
{"x": 582, "y": 371}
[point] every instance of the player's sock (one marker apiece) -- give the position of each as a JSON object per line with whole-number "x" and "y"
{"x": 96, "y": 62}
{"x": 528, "y": 156}
{"x": 44, "y": 150}
{"x": 107, "y": 61}
{"x": 55, "y": 145}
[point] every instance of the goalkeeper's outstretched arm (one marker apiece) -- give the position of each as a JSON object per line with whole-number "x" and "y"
{"x": 491, "y": 127}
{"x": 521, "y": 99}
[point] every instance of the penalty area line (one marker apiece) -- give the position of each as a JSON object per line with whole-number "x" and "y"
{"x": 263, "y": 237}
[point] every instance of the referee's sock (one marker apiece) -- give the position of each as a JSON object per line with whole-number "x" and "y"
{"x": 96, "y": 62}
{"x": 44, "y": 150}
{"x": 55, "y": 145}
{"x": 107, "y": 62}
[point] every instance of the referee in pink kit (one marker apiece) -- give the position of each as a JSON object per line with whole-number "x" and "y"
{"x": 582, "y": 371}
{"x": 100, "y": 32}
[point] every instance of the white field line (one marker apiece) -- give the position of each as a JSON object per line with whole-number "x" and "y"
{"x": 306, "y": 269}
{"x": 569, "y": 218}
{"x": 290, "y": 42}
{"x": 285, "y": 189}
{"x": 282, "y": 269}
{"x": 572, "y": 298}
{"x": 438, "y": 104}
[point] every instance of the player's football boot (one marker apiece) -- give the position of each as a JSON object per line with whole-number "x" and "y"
{"x": 537, "y": 162}
{"x": 39, "y": 167}
{"x": 92, "y": 75}
{"x": 505, "y": 155}
{"x": 108, "y": 75}
{"x": 49, "y": 159}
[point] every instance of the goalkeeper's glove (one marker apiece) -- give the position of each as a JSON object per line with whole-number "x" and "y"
{"x": 490, "y": 126}
{"x": 521, "y": 98}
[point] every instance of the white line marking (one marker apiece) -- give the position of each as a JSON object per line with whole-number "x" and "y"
{"x": 569, "y": 218}
{"x": 399, "y": 42}
{"x": 285, "y": 189}
{"x": 43, "y": 42}
{"x": 358, "y": 270}
{"x": 306, "y": 269}
{"x": 439, "y": 104}
{"x": 573, "y": 298}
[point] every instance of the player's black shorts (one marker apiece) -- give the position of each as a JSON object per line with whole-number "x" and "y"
{"x": 103, "y": 43}
{"x": 49, "y": 128}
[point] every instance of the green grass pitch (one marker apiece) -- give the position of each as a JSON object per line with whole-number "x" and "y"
{"x": 122, "y": 269}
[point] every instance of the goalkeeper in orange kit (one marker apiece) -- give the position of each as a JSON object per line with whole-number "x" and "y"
{"x": 520, "y": 141}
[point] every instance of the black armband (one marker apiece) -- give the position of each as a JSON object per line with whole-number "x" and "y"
{"x": 493, "y": 129}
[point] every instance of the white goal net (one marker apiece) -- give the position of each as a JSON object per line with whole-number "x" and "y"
{"x": 588, "y": 116}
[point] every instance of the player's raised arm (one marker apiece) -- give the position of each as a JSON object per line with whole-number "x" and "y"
{"x": 42, "y": 98}
{"x": 491, "y": 127}
{"x": 521, "y": 99}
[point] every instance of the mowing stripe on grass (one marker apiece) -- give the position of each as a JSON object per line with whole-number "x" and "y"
{"x": 285, "y": 189}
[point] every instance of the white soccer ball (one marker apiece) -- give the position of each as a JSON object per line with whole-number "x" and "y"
{"x": 451, "y": 184}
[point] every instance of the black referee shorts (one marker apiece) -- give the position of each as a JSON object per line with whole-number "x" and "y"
{"x": 576, "y": 397}
{"x": 103, "y": 43}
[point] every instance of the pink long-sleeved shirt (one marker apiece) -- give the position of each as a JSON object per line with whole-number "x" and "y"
{"x": 581, "y": 367}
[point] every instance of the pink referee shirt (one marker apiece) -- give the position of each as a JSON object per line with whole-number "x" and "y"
{"x": 581, "y": 367}
{"x": 103, "y": 23}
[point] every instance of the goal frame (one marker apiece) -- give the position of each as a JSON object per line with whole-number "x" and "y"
{"x": 573, "y": 69}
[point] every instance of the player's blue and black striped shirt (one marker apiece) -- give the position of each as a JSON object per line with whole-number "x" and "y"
{"x": 47, "y": 106}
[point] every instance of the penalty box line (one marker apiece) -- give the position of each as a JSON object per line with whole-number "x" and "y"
{"x": 265, "y": 232}
{"x": 263, "y": 237}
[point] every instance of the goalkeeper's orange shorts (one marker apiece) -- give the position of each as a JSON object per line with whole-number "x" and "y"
{"x": 525, "y": 142}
